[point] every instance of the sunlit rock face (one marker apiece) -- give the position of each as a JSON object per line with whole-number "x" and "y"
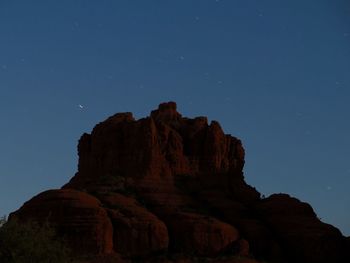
{"x": 167, "y": 188}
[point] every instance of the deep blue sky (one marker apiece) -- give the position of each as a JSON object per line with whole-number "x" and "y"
{"x": 273, "y": 73}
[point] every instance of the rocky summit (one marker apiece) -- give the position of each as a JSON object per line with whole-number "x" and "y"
{"x": 167, "y": 188}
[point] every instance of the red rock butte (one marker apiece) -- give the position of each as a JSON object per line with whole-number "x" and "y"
{"x": 167, "y": 188}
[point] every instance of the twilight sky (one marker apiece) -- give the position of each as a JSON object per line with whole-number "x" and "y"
{"x": 273, "y": 73}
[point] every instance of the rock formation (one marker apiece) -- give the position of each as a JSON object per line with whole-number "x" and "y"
{"x": 171, "y": 189}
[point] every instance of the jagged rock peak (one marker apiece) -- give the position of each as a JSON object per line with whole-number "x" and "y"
{"x": 166, "y": 112}
{"x": 121, "y": 116}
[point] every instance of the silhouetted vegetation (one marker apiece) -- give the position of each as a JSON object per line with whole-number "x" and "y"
{"x": 30, "y": 242}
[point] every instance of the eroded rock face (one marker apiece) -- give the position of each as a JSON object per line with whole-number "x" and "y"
{"x": 137, "y": 232}
{"x": 167, "y": 188}
{"x": 159, "y": 148}
{"x": 77, "y": 215}
{"x": 199, "y": 234}
{"x": 304, "y": 237}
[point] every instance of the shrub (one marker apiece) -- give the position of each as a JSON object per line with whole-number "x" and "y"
{"x": 30, "y": 242}
{"x": 2, "y": 221}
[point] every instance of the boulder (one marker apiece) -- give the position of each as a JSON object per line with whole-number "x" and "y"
{"x": 200, "y": 235}
{"x": 78, "y": 216}
{"x": 137, "y": 232}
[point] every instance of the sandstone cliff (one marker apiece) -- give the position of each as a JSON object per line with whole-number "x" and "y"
{"x": 167, "y": 188}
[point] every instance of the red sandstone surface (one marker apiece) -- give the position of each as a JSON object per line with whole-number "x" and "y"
{"x": 167, "y": 188}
